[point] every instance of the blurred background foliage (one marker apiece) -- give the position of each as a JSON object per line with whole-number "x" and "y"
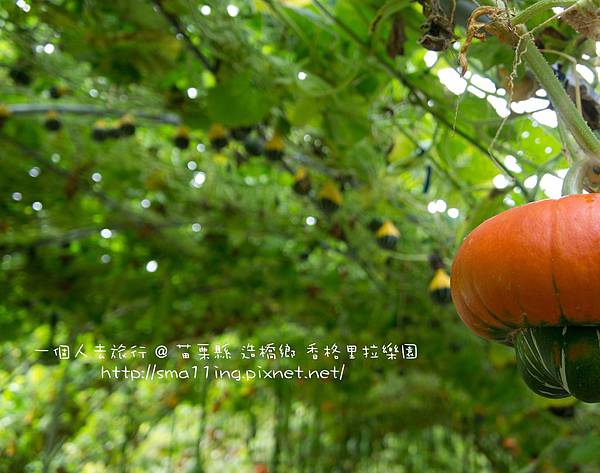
{"x": 145, "y": 239}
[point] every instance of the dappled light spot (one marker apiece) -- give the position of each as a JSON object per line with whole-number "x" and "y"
{"x": 452, "y": 80}
{"x": 23, "y": 5}
{"x": 483, "y": 83}
{"x": 500, "y": 181}
{"x": 233, "y": 10}
{"x": 552, "y": 184}
{"x": 453, "y": 213}
{"x": 430, "y": 58}
{"x": 436, "y": 206}
{"x": 512, "y": 164}
{"x": 545, "y": 117}
{"x": 198, "y": 180}
{"x": 530, "y": 182}
{"x": 151, "y": 266}
{"x": 500, "y": 105}
{"x": 585, "y": 72}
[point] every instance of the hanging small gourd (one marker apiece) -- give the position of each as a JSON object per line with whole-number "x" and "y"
{"x": 4, "y": 114}
{"x": 99, "y": 131}
{"x": 182, "y": 138}
{"x": 439, "y": 287}
{"x": 20, "y": 75}
{"x": 52, "y": 122}
{"x": 217, "y": 136}
{"x": 57, "y": 91}
{"x": 127, "y": 125}
{"x": 387, "y": 235}
{"x": 113, "y": 131}
{"x": 274, "y": 147}
{"x": 330, "y": 197}
{"x": 530, "y": 277}
{"x": 241, "y": 132}
{"x": 253, "y": 146}
{"x": 302, "y": 184}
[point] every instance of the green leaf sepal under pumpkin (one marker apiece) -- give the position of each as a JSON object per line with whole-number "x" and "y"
{"x": 559, "y": 362}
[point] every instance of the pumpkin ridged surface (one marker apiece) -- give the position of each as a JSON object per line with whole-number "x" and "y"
{"x": 531, "y": 266}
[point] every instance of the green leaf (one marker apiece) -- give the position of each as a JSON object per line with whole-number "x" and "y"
{"x": 240, "y": 101}
{"x": 388, "y": 9}
{"x": 491, "y": 205}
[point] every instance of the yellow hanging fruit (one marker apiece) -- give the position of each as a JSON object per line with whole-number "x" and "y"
{"x": 58, "y": 91}
{"x": 439, "y": 287}
{"x": 330, "y": 197}
{"x": 127, "y": 125}
{"x": 4, "y": 114}
{"x": 302, "y": 184}
{"x": 217, "y": 135}
{"x": 99, "y": 131}
{"x": 274, "y": 147}
{"x": 52, "y": 122}
{"x": 387, "y": 235}
{"x": 182, "y": 138}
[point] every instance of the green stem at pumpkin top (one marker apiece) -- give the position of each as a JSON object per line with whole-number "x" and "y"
{"x": 574, "y": 180}
{"x": 563, "y": 105}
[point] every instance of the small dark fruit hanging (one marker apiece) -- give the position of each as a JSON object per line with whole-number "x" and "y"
{"x": 253, "y": 146}
{"x": 274, "y": 147}
{"x": 99, "y": 131}
{"x": 217, "y": 135}
{"x": 127, "y": 125}
{"x": 58, "y": 91}
{"x": 52, "y": 122}
{"x": 337, "y": 232}
{"x": 182, "y": 138}
{"x": 113, "y": 132}
{"x": 330, "y": 197}
{"x": 302, "y": 184}
{"x": 20, "y": 75}
{"x": 241, "y": 132}
{"x": 387, "y": 235}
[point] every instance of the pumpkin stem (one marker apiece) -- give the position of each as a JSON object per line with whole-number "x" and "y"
{"x": 563, "y": 105}
{"x": 575, "y": 178}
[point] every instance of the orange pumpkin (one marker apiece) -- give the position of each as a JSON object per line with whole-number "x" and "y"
{"x": 531, "y": 266}
{"x": 530, "y": 277}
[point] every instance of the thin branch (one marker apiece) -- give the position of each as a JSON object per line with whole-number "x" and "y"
{"x": 174, "y": 21}
{"x": 81, "y": 109}
{"x": 421, "y": 101}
